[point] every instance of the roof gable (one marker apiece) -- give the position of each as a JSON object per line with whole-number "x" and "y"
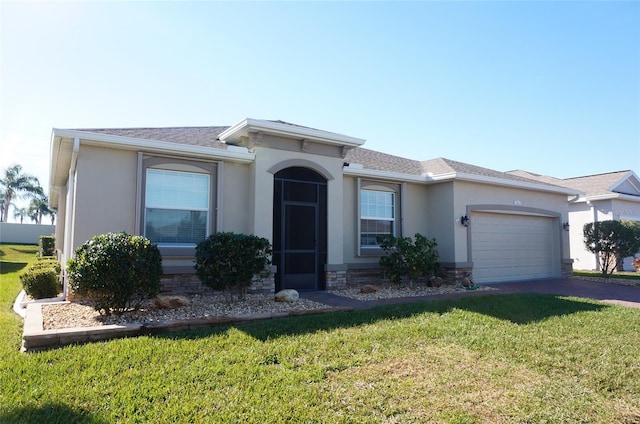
{"x": 629, "y": 185}
{"x": 621, "y": 182}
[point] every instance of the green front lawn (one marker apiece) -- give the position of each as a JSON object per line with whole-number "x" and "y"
{"x": 499, "y": 358}
{"x": 624, "y": 275}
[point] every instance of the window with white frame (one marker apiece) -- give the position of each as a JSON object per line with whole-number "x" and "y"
{"x": 377, "y": 216}
{"x": 176, "y": 207}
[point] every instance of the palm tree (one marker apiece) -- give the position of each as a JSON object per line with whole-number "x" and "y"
{"x": 15, "y": 182}
{"x": 39, "y": 206}
{"x": 20, "y": 213}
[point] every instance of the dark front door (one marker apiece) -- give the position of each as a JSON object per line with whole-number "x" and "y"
{"x": 299, "y": 229}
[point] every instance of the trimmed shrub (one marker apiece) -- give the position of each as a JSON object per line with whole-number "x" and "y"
{"x": 407, "y": 258}
{"x": 612, "y": 241}
{"x": 117, "y": 271}
{"x": 47, "y": 246}
{"x": 228, "y": 261}
{"x": 40, "y": 282}
{"x": 48, "y": 263}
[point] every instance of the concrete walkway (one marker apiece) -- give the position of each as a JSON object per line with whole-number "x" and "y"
{"x": 606, "y": 292}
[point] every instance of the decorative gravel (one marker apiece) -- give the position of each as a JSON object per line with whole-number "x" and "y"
{"x": 82, "y": 314}
{"x": 388, "y": 291}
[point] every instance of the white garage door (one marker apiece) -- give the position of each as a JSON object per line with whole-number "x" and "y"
{"x": 513, "y": 247}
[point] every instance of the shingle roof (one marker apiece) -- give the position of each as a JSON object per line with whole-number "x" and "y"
{"x": 595, "y": 185}
{"x": 441, "y": 166}
{"x": 195, "y": 136}
{"x": 590, "y": 185}
{"x": 379, "y": 161}
{"x": 369, "y": 159}
{"x": 537, "y": 177}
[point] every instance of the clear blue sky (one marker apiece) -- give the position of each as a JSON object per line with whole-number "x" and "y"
{"x": 549, "y": 87}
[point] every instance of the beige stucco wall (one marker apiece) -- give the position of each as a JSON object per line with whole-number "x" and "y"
{"x": 415, "y": 211}
{"x": 105, "y": 192}
{"x": 517, "y": 200}
{"x": 235, "y": 205}
{"x": 268, "y": 162}
{"x": 581, "y": 213}
{"x": 442, "y": 217}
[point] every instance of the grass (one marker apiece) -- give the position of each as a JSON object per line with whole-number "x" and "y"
{"x": 623, "y": 275}
{"x": 500, "y": 358}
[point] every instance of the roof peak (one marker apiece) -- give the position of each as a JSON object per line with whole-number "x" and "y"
{"x": 598, "y": 175}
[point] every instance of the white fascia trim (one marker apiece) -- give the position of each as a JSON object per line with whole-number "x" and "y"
{"x": 609, "y": 197}
{"x": 452, "y": 176}
{"x": 289, "y": 130}
{"x": 384, "y": 175}
{"x": 155, "y": 146}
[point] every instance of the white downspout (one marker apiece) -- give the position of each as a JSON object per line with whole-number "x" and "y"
{"x": 68, "y": 219}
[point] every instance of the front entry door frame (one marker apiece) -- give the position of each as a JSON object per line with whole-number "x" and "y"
{"x": 299, "y": 229}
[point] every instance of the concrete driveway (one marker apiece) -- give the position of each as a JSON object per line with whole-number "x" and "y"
{"x": 606, "y": 292}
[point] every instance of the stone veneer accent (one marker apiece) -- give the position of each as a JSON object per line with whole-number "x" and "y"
{"x": 187, "y": 284}
{"x": 567, "y": 268}
{"x": 454, "y": 275}
{"x": 364, "y": 276}
{"x": 183, "y": 284}
{"x": 336, "y": 280}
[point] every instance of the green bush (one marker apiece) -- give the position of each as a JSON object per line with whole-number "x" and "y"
{"x": 46, "y": 246}
{"x": 40, "y": 282}
{"x": 117, "y": 271}
{"x": 228, "y": 261}
{"x": 47, "y": 263}
{"x": 613, "y": 241}
{"x": 405, "y": 257}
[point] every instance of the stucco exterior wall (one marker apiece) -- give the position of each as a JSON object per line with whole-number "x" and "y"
{"x": 624, "y": 209}
{"x": 105, "y": 193}
{"x": 581, "y": 214}
{"x": 441, "y": 222}
{"x": 518, "y": 200}
{"x": 415, "y": 211}
{"x": 268, "y": 162}
{"x": 234, "y": 207}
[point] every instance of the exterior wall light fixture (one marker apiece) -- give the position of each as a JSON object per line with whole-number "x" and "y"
{"x": 464, "y": 220}
{"x": 565, "y": 226}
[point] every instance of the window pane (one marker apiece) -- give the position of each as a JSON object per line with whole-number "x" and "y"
{"x": 371, "y": 229}
{"x": 377, "y": 213}
{"x": 180, "y": 190}
{"x": 173, "y": 226}
{"x": 176, "y": 207}
{"x": 377, "y": 204}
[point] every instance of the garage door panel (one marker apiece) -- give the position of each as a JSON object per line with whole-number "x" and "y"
{"x": 513, "y": 247}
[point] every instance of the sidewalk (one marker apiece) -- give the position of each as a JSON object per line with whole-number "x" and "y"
{"x": 606, "y": 292}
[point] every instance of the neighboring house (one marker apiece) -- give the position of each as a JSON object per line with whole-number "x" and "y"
{"x": 614, "y": 195}
{"x": 319, "y": 197}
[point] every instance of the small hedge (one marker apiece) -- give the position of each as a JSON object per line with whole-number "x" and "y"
{"x": 408, "y": 258}
{"x": 117, "y": 271}
{"x": 46, "y": 246}
{"x": 41, "y": 280}
{"x": 228, "y": 261}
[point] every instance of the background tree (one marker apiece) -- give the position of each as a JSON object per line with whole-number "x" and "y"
{"x": 21, "y": 213}
{"x": 13, "y": 183}
{"x": 38, "y": 207}
{"x": 612, "y": 241}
